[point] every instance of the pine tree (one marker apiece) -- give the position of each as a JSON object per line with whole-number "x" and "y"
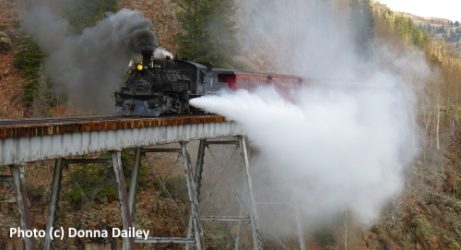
{"x": 209, "y": 32}
{"x": 29, "y": 60}
{"x": 362, "y": 22}
{"x": 38, "y": 91}
{"x": 85, "y": 13}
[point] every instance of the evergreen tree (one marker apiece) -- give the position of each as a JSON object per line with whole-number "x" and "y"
{"x": 29, "y": 60}
{"x": 209, "y": 32}
{"x": 85, "y": 13}
{"x": 363, "y": 23}
{"x": 38, "y": 92}
{"x": 408, "y": 30}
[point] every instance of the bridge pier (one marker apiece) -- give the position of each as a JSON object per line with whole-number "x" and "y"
{"x": 116, "y": 163}
{"x": 134, "y": 181}
{"x": 299, "y": 226}
{"x": 194, "y": 232}
{"x": 257, "y": 243}
{"x": 195, "y": 236}
{"x": 239, "y": 228}
{"x": 199, "y": 166}
{"x": 54, "y": 200}
{"x": 193, "y": 199}
{"x": 252, "y": 217}
{"x": 128, "y": 242}
{"x": 25, "y": 218}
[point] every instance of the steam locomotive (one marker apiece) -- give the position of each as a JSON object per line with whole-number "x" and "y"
{"x": 159, "y": 87}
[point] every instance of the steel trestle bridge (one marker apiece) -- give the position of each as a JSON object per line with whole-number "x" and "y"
{"x": 68, "y": 140}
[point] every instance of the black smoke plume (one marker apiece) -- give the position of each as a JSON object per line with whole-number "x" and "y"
{"x": 88, "y": 66}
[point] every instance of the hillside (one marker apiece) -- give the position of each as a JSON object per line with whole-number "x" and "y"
{"x": 11, "y": 81}
{"x": 442, "y": 29}
{"x": 426, "y": 216}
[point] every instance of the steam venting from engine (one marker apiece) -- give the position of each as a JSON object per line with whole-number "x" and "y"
{"x": 162, "y": 53}
{"x": 340, "y": 147}
{"x": 87, "y": 67}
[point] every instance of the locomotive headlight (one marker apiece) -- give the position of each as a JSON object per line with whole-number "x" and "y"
{"x": 139, "y": 67}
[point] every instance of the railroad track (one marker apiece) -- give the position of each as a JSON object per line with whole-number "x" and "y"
{"x": 61, "y": 120}
{"x": 51, "y": 126}
{"x": 78, "y": 119}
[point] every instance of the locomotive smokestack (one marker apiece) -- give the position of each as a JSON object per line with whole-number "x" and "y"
{"x": 144, "y": 41}
{"x": 146, "y": 56}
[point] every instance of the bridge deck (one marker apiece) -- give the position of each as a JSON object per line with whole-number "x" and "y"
{"x": 38, "y": 139}
{"x": 54, "y": 126}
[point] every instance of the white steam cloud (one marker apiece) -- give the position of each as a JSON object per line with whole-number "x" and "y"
{"x": 343, "y": 143}
{"x": 162, "y": 53}
{"x": 339, "y": 149}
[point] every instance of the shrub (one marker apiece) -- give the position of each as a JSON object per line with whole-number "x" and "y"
{"x": 35, "y": 193}
{"x": 324, "y": 237}
{"x": 174, "y": 187}
{"x": 422, "y": 228}
{"x": 93, "y": 183}
{"x": 97, "y": 182}
{"x": 128, "y": 157}
{"x": 29, "y": 60}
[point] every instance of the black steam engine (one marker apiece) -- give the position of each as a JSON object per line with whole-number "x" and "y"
{"x": 164, "y": 86}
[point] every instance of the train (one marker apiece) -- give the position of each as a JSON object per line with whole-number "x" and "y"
{"x": 164, "y": 86}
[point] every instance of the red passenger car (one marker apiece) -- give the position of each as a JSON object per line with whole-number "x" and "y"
{"x": 251, "y": 80}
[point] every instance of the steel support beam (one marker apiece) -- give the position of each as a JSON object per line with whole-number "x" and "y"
{"x": 128, "y": 243}
{"x": 87, "y": 161}
{"x": 239, "y": 228}
{"x": 199, "y": 166}
{"x": 299, "y": 228}
{"x": 25, "y": 218}
{"x": 191, "y": 238}
{"x": 134, "y": 181}
{"x": 257, "y": 243}
{"x": 191, "y": 190}
{"x": 190, "y": 231}
{"x": 225, "y": 218}
{"x": 198, "y": 182}
{"x": 161, "y": 150}
{"x": 53, "y": 204}
{"x": 233, "y": 142}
